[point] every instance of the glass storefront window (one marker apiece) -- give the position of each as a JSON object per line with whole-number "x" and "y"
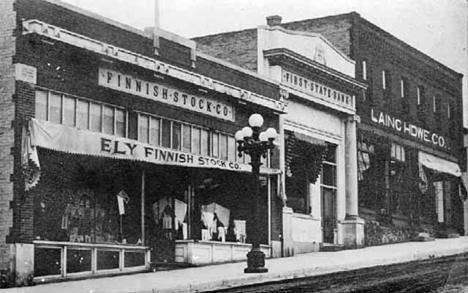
{"x": 41, "y": 105}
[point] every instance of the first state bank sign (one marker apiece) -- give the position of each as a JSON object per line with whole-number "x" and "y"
{"x": 164, "y": 94}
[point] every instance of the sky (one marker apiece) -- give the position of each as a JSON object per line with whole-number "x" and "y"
{"x": 438, "y": 28}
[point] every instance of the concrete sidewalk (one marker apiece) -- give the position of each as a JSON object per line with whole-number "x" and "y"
{"x": 216, "y": 277}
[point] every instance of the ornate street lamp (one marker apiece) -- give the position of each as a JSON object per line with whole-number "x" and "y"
{"x": 255, "y": 144}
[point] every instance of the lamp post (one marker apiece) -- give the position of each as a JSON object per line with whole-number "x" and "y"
{"x": 255, "y": 144}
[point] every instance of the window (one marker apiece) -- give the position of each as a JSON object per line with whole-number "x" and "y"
{"x": 96, "y": 115}
{"x": 77, "y": 112}
{"x": 155, "y": 132}
{"x": 187, "y": 138}
{"x": 386, "y": 80}
{"x": 176, "y": 133}
{"x": 215, "y": 152}
{"x": 205, "y": 142}
{"x": 397, "y": 152}
{"x": 82, "y": 114}
{"x": 42, "y": 105}
{"x": 108, "y": 120}
{"x": 223, "y": 147}
{"x": 55, "y": 108}
{"x": 420, "y": 95}
{"x": 120, "y": 123}
{"x": 449, "y": 110}
{"x": 434, "y": 104}
{"x": 364, "y": 69}
{"x": 196, "y": 139}
{"x": 69, "y": 111}
{"x": 403, "y": 87}
{"x": 143, "y": 134}
{"x": 166, "y": 133}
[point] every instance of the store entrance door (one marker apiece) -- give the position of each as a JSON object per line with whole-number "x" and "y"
{"x": 328, "y": 215}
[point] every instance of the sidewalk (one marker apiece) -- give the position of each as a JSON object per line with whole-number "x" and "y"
{"x": 216, "y": 277}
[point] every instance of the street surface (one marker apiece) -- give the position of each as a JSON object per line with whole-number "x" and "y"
{"x": 435, "y": 275}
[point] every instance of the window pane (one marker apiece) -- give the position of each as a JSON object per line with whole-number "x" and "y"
{"x": 232, "y": 152}
{"x": 120, "y": 124}
{"x": 132, "y": 125}
{"x": 328, "y": 175}
{"x": 205, "y": 142}
{"x": 223, "y": 151}
{"x": 143, "y": 126}
{"x": 215, "y": 145}
{"x": 187, "y": 137}
{"x": 155, "y": 131}
{"x": 55, "y": 108}
{"x": 68, "y": 111}
{"x": 176, "y": 135}
{"x": 82, "y": 114}
{"x": 96, "y": 117}
{"x": 196, "y": 140}
{"x": 108, "y": 120}
{"x": 41, "y": 105}
{"x": 166, "y": 133}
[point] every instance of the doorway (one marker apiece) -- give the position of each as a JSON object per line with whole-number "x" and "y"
{"x": 328, "y": 215}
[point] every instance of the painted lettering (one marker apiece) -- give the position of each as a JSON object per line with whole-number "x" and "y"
{"x": 105, "y": 145}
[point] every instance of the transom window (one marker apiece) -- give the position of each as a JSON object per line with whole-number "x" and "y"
{"x": 80, "y": 113}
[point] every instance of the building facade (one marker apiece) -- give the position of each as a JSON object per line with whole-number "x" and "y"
{"x": 118, "y": 149}
{"x": 319, "y": 162}
{"x": 409, "y": 138}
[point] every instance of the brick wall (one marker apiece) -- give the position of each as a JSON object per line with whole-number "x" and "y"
{"x": 239, "y": 48}
{"x": 7, "y": 135}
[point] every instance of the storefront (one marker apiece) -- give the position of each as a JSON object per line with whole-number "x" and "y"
{"x": 138, "y": 166}
{"x": 408, "y": 178}
{"x": 319, "y": 135}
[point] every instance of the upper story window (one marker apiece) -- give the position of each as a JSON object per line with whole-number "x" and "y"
{"x": 386, "y": 80}
{"x": 449, "y": 110}
{"x": 434, "y": 104}
{"x": 188, "y": 138}
{"x": 420, "y": 95}
{"x": 364, "y": 69}
{"x": 80, "y": 113}
{"x": 403, "y": 87}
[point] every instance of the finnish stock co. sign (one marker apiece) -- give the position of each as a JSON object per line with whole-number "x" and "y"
{"x": 165, "y": 94}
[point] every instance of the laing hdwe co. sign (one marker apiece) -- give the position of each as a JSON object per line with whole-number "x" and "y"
{"x": 384, "y": 119}
{"x": 165, "y": 94}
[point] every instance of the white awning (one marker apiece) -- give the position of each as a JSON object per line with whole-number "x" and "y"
{"x": 439, "y": 165}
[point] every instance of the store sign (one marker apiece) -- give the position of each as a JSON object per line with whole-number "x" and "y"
{"x": 386, "y": 120}
{"x": 316, "y": 89}
{"x": 164, "y": 94}
{"x": 72, "y": 140}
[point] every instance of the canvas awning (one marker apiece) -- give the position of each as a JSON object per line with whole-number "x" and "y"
{"x": 443, "y": 166}
{"x": 439, "y": 165}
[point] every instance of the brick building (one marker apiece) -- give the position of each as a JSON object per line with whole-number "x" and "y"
{"x": 117, "y": 148}
{"x": 409, "y": 138}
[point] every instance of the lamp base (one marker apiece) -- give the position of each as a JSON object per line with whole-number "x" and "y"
{"x": 255, "y": 262}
